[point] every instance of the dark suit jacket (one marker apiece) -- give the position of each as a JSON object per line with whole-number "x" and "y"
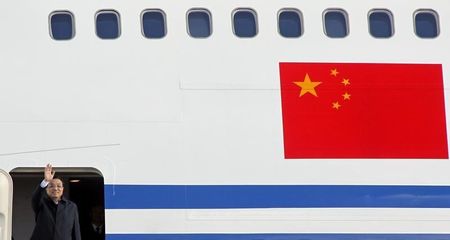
{"x": 66, "y": 226}
{"x": 89, "y": 233}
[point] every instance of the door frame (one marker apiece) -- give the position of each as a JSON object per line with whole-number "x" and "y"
{"x": 6, "y": 196}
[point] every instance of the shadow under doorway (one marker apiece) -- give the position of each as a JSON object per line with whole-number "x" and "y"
{"x": 83, "y": 186}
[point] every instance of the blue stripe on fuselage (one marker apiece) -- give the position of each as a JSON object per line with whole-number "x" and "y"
{"x": 275, "y": 196}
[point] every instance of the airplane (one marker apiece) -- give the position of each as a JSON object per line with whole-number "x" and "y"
{"x": 230, "y": 120}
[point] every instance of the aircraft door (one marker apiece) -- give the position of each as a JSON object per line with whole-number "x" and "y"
{"x": 5, "y": 205}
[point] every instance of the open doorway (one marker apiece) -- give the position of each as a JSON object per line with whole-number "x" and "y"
{"x": 83, "y": 186}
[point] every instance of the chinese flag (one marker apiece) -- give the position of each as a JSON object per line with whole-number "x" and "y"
{"x": 363, "y": 110}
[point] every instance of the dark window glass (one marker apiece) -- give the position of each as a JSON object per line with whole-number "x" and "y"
{"x": 380, "y": 24}
{"x": 426, "y": 24}
{"x": 244, "y": 23}
{"x": 61, "y": 25}
{"x": 199, "y": 23}
{"x": 107, "y": 25}
{"x": 336, "y": 24}
{"x": 153, "y": 24}
{"x": 289, "y": 24}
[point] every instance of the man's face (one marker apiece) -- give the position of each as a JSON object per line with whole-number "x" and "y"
{"x": 55, "y": 189}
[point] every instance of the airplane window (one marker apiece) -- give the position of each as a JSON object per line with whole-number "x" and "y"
{"x": 199, "y": 23}
{"x": 380, "y": 23}
{"x": 290, "y": 23}
{"x": 154, "y": 23}
{"x": 336, "y": 24}
{"x": 107, "y": 24}
{"x": 62, "y": 25}
{"x": 426, "y": 24}
{"x": 244, "y": 23}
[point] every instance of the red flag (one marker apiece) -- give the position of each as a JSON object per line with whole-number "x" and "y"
{"x": 353, "y": 110}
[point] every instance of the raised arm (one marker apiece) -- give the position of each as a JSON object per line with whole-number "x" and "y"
{"x": 37, "y": 195}
{"x": 48, "y": 173}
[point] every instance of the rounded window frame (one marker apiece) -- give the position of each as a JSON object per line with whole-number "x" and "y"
{"x": 50, "y": 24}
{"x": 255, "y": 15}
{"x": 164, "y": 18}
{"x": 347, "y": 21}
{"x": 119, "y": 23}
{"x": 205, "y": 10}
{"x": 436, "y": 17}
{"x": 391, "y": 18}
{"x": 300, "y": 15}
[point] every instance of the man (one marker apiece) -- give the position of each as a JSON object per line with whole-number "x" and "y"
{"x": 56, "y": 217}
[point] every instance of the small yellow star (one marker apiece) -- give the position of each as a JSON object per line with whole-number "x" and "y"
{"x": 307, "y": 86}
{"x": 334, "y": 72}
{"x": 345, "y": 81}
{"x": 336, "y": 105}
{"x": 346, "y": 96}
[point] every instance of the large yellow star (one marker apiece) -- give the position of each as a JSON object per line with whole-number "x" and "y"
{"x": 307, "y": 86}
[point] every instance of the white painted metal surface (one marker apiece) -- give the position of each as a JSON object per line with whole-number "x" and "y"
{"x": 185, "y": 111}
